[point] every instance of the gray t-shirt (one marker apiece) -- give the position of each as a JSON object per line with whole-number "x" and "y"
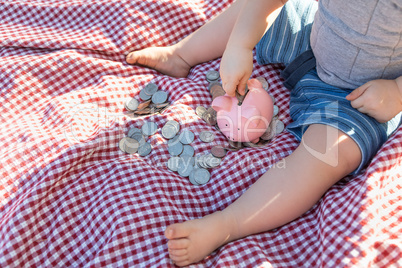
{"x": 356, "y": 41}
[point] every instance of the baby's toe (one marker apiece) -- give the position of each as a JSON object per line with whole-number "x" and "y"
{"x": 178, "y": 230}
{"x": 178, "y": 252}
{"x": 177, "y": 244}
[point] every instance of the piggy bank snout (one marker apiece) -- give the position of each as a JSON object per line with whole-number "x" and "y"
{"x": 242, "y": 126}
{"x": 228, "y": 126}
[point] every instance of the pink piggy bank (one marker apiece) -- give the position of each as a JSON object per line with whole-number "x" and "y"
{"x": 248, "y": 121}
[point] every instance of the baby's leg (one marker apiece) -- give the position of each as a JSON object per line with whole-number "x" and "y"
{"x": 324, "y": 156}
{"x": 205, "y": 44}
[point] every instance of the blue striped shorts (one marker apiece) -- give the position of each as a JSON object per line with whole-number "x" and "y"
{"x": 313, "y": 101}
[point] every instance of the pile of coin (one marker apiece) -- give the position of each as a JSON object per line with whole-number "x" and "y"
{"x": 209, "y": 115}
{"x": 212, "y": 76}
{"x": 136, "y": 139}
{"x": 183, "y": 159}
{"x": 182, "y": 155}
{"x": 153, "y": 101}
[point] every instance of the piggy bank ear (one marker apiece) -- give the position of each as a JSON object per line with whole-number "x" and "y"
{"x": 251, "y": 113}
{"x": 222, "y": 103}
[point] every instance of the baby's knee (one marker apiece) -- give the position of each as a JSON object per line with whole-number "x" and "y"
{"x": 332, "y": 146}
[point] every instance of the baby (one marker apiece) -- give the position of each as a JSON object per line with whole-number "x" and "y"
{"x": 344, "y": 69}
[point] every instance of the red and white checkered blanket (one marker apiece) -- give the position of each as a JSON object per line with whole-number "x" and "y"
{"x": 70, "y": 198}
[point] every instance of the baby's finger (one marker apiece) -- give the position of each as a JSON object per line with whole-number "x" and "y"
{"x": 362, "y": 110}
{"x": 357, "y": 92}
{"x": 241, "y": 87}
{"x": 357, "y": 97}
{"x": 230, "y": 88}
{"x": 358, "y": 103}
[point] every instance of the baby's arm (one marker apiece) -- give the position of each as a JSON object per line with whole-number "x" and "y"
{"x": 381, "y": 99}
{"x": 237, "y": 60}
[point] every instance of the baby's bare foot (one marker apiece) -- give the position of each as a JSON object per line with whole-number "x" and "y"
{"x": 162, "y": 59}
{"x": 192, "y": 241}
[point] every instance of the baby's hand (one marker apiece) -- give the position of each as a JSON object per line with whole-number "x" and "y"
{"x": 380, "y": 99}
{"x": 235, "y": 70}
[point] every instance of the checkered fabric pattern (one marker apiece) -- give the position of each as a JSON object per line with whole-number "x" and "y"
{"x": 70, "y": 198}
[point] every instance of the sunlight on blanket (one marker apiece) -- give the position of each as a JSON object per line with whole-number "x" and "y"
{"x": 85, "y": 121}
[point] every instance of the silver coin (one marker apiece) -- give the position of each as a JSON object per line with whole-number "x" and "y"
{"x": 201, "y": 176}
{"x": 197, "y": 160}
{"x": 273, "y": 99}
{"x": 132, "y": 131}
{"x": 200, "y": 110}
{"x": 144, "y": 96}
{"x": 131, "y": 104}
{"x": 207, "y": 160}
{"x": 173, "y": 123}
{"x": 188, "y": 160}
{"x": 170, "y": 129}
{"x": 175, "y": 149}
{"x": 131, "y": 145}
{"x": 149, "y": 128}
{"x": 184, "y": 171}
{"x": 270, "y": 132}
{"x": 168, "y": 132}
{"x": 125, "y": 107}
{"x": 264, "y": 82}
{"x": 212, "y": 75}
{"x": 173, "y": 163}
{"x": 188, "y": 150}
{"x": 138, "y": 137}
{"x": 159, "y": 97}
{"x": 276, "y": 110}
{"x": 210, "y": 116}
{"x": 239, "y": 97}
{"x": 279, "y": 127}
{"x": 186, "y": 136}
{"x": 121, "y": 144}
{"x": 200, "y": 161}
{"x": 174, "y": 140}
{"x": 207, "y": 136}
{"x": 150, "y": 89}
{"x": 145, "y": 149}
{"x": 214, "y": 161}
{"x": 210, "y": 161}
{"x": 191, "y": 176}
{"x": 185, "y": 166}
